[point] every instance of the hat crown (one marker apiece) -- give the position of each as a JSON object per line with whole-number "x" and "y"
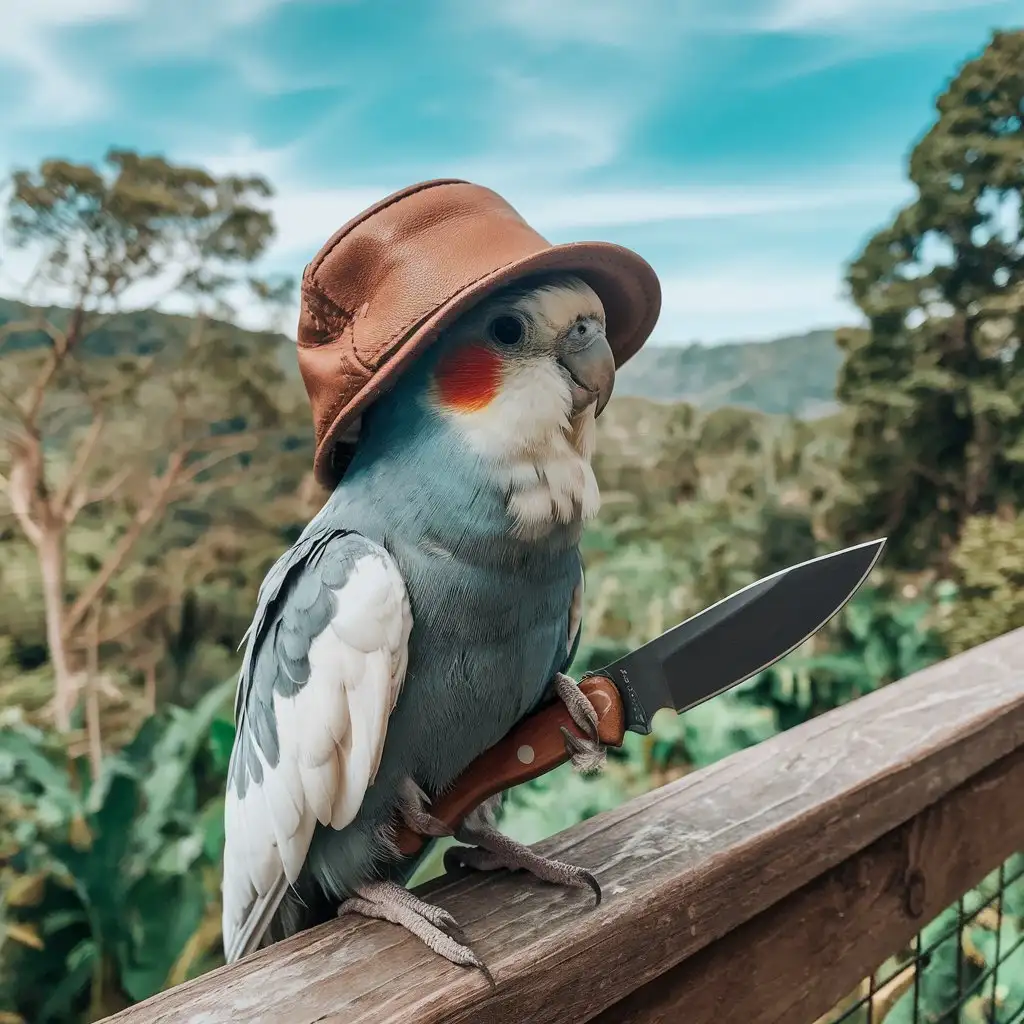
{"x": 391, "y": 266}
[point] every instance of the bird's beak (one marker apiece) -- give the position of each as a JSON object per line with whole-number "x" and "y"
{"x": 592, "y": 370}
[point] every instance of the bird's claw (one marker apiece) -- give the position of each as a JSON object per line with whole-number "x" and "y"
{"x": 586, "y": 753}
{"x": 492, "y": 851}
{"x": 413, "y": 803}
{"x": 436, "y": 928}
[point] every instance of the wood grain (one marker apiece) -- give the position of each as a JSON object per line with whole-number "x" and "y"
{"x": 681, "y": 867}
{"x": 810, "y": 950}
{"x": 531, "y": 749}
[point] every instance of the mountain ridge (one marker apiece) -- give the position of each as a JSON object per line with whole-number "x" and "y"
{"x": 793, "y": 375}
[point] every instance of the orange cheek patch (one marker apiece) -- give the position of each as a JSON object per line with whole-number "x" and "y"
{"x": 469, "y": 379}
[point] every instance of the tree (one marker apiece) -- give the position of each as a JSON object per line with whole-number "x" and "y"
{"x": 109, "y": 417}
{"x": 934, "y": 384}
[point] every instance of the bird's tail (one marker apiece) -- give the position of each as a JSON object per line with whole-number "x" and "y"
{"x": 257, "y": 924}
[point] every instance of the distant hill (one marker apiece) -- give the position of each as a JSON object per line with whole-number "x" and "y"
{"x": 792, "y": 375}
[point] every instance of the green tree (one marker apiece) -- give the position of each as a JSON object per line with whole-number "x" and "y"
{"x": 935, "y": 383}
{"x": 988, "y": 569}
{"x": 112, "y": 418}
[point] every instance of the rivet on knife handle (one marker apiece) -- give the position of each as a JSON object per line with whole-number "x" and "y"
{"x": 533, "y": 747}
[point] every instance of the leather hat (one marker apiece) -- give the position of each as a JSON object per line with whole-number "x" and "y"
{"x": 384, "y": 285}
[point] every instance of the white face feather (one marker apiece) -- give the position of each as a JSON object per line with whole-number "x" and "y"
{"x": 539, "y": 452}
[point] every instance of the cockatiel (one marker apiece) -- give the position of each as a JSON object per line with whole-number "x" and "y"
{"x": 433, "y": 602}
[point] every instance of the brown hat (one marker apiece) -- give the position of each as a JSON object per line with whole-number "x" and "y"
{"x": 383, "y": 287}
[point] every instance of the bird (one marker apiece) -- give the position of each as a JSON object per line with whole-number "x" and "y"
{"x": 432, "y": 603}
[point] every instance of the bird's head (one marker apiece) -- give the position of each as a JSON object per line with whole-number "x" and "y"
{"x": 528, "y": 365}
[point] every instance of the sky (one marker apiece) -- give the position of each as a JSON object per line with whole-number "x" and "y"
{"x": 745, "y": 148}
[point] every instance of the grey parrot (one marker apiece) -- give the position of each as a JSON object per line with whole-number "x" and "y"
{"x": 432, "y": 603}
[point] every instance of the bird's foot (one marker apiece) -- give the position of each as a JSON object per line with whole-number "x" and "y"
{"x": 490, "y": 850}
{"x": 412, "y": 807}
{"x": 436, "y": 928}
{"x": 587, "y": 755}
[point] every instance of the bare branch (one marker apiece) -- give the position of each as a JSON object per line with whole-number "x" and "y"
{"x": 229, "y": 448}
{"x": 116, "y": 630}
{"x": 84, "y": 498}
{"x": 63, "y": 343}
{"x": 15, "y": 407}
{"x": 20, "y": 490}
{"x": 37, "y": 392}
{"x": 158, "y": 500}
{"x": 194, "y": 490}
{"x": 92, "y": 697}
{"x": 65, "y": 496}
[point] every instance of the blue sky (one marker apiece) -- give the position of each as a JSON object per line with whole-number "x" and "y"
{"x": 746, "y": 148}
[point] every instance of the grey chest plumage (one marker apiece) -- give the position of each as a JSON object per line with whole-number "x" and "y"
{"x": 491, "y": 627}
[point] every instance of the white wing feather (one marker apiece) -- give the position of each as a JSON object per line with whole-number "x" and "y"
{"x": 331, "y": 737}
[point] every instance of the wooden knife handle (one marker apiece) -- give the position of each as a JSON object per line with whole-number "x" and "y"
{"x": 533, "y": 747}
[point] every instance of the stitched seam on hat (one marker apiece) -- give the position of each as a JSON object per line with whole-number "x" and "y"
{"x": 329, "y": 321}
{"x": 403, "y": 194}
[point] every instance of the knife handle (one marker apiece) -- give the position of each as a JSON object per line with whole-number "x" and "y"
{"x": 534, "y": 746}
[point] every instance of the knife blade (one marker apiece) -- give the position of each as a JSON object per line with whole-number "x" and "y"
{"x": 703, "y": 656}
{"x": 739, "y": 636}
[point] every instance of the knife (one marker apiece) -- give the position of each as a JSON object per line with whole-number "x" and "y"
{"x": 705, "y": 655}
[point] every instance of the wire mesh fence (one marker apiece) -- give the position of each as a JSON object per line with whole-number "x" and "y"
{"x": 965, "y": 967}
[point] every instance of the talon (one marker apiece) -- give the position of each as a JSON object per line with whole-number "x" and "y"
{"x": 492, "y": 850}
{"x": 587, "y": 757}
{"x": 594, "y": 884}
{"x": 578, "y": 705}
{"x": 388, "y": 901}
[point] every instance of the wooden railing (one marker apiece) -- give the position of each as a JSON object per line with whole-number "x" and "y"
{"x": 761, "y": 889}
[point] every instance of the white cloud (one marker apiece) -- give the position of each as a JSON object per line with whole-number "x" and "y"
{"x": 751, "y": 300}
{"x": 612, "y": 23}
{"x": 827, "y": 17}
{"x": 552, "y": 130}
{"x": 660, "y": 27}
{"x": 66, "y": 87}
{"x": 58, "y": 91}
{"x": 306, "y": 217}
{"x": 584, "y": 210}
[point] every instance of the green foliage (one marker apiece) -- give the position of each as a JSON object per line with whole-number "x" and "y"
{"x": 988, "y": 568}
{"x": 136, "y": 217}
{"x": 935, "y": 384}
{"x": 121, "y": 429}
{"x": 110, "y": 887}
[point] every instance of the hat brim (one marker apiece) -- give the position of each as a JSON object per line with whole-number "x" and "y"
{"x": 625, "y": 282}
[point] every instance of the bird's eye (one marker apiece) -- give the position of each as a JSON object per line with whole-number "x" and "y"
{"x": 507, "y": 330}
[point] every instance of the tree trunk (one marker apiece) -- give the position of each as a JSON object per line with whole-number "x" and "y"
{"x": 51, "y": 568}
